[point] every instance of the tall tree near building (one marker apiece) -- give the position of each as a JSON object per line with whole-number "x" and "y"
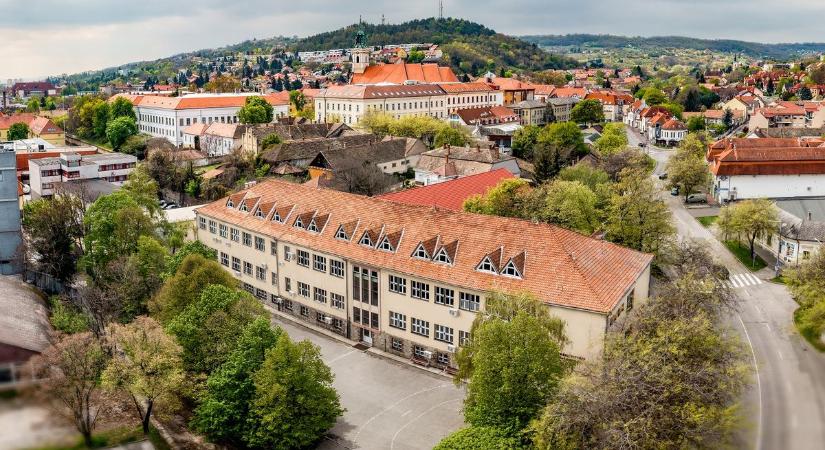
{"x": 637, "y": 217}
{"x": 54, "y": 227}
{"x": 524, "y": 140}
{"x": 192, "y": 277}
{"x": 587, "y": 112}
{"x": 613, "y": 139}
{"x": 512, "y": 362}
{"x": 754, "y": 218}
{"x": 297, "y": 99}
{"x": 256, "y": 110}
{"x": 120, "y": 129}
{"x": 804, "y": 93}
{"x": 147, "y": 368}
{"x": 121, "y": 107}
{"x": 69, "y": 374}
{"x": 18, "y": 131}
{"x": 506, "y": 199}
{"x": 688, "y": 168}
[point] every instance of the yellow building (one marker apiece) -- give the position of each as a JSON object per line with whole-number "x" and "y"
{"x": 39, "y": 127}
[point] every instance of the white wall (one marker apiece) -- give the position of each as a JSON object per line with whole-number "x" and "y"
{"x": 770, "y": 186}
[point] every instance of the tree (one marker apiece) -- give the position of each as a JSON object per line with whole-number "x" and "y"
{"x": 69, "y": 380}
{"x": 135, "y": 145}
{"x": 570, "y": 204}
{"x": 100, "y": 118}
{"x": 506, "y": 199}
{"x": 565, "y": 135}
{"x": 255, "y": 110}
{"x": 754, "y": 218}
{"x": 295, "y": 402}
{"x": 54, "y": 227}
{"x": 120, "y": 129}
{"x": 208, "y": 328}
{"x": 804, "y": 93}
{"x": 175, "y": 260}
{"x": 637, "y": 216}
{"x": 147, "y": 367}
{"x": 33, "y": 105}
{"x": 727, "y": 119}
{"x": 524, "y": 140}
{"x": 688, "y": 170}
{"x": 448, "y": 135}
{"x": 223, "y": 410}
{"x": 807, "y": 284}
{"x": 588, "y": 112}
{"x": 696, "y": 123}
{"x": 628, "y": 159}
{"x": 653, "y": 96}
{"x": 297, "y": 99}
{"x": 143, "y": 189}
{"x": 194, "y": 274}
{"x": 364, "y": 179}
{"x": 222, "y": 83}
{"x": 18, "y": 131}
{"x": 479, "y": 438}
{"x": 548, "y": 159}
{"x": 612, "y": 140}
{"x": 512, "y": 363}
{"x": 817, "y": 74}
{"x": 121, "y": 107}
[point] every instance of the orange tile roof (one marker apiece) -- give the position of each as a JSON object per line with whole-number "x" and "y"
{"x": 402, "y": 72}
{"x": 770, "y": 161}
{"x": 8, "y": 121}
{"x": 201, "y": 102}
{"x": 41, "y": 125}
{"x": 450, "y": 194}
{"x": 674, "y": 124}
{"x": 544, "y": 89}
{"x": 511, "y": 84}
{"x": 567, "y": 92}
{"x": 453, "y": 88}
{"x": 561, "y": 267}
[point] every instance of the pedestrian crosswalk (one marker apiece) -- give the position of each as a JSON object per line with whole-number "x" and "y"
{"x": 739, "y": 280}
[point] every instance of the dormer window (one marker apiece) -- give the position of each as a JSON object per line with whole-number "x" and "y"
{"x": 259, "y": 213}
{"x": 510, "y": 270}
{"x": 442, "y": 257}
{"x": 277, "y": 218}
{"x": 243, "y": 207}
{"x": 421, "y": 253}
{"x": 341, "y": 234}
{"x": 312, "y": 227}
{"x": 386, "y": 245}
{"x": 486, "y": 266}
{"x": 365, "y": 240}
{"x": 298, "y": 223}
{"x": 229, "y": 204}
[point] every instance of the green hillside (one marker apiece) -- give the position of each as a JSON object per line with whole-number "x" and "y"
{"x": 751, "y": 49}
{"x": 468, "y": 47}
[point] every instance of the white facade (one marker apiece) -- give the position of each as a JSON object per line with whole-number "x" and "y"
{"x": 45, "y": 172}
{"x": 479, "y": 99}
{"x": 352, "y": 110}
{"x": 740, "y": 187}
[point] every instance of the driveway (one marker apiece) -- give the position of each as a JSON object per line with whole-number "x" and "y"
{"x": 389, "y": 404}
{"x": 786, "y": 404}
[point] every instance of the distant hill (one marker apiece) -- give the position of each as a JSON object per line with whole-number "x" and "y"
{"x": 751, "y": 49}
{"x": 468, "y": 47}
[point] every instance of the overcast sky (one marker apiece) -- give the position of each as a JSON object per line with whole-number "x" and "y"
{"x": 41, "y": 37}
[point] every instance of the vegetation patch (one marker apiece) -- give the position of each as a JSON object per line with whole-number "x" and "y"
{"x": 743, "y": 254}
{"x": 807, "y": 329}
{"x": 707, "y": 221}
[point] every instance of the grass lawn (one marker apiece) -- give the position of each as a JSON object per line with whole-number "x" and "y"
{"x": 812, "y": 338}
{"x": 743, "y": 254}
{"x": 707, "y": 221}
{"x": 204, "y": 169}
{"x": 114, "y": 437}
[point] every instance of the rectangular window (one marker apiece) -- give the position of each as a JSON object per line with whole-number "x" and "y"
{"x": 398, "y": 320}
{"x": 249, "y": 288}
{"x": 398, "y": 284}
{"x": 420, "y": 327}
{"x": 443, "y": 334}
{"x": 287, "y": 253}
{"x": 288, "y": 305}
{"x": 443, "y": 358}
{"x": 356, "y": 315}
{"x": 303, "y": 289}
{"x": 420, "y": 352}
{"x": 236, "y": 264}
{"x": 287, "y": 284}
{"x": 260, "y": 294}
{"x": 469, "y": 302}
{"x": 397, "y": 345}
{"x": 337, "y": 301}
{"x": 260, "y": 273}
{"x": 235, "y": 234}
{"x": 319, "y": 263}
{"x": 365, "y": 285}
{"x": 444, "y": 296}
{"x": 420, "y": 290}
{"x": 320, "y": 295}
{"x": 303, "y": 258}
{"x": 224, "y": 259}
{"x": 274, "y": 277}
{"x": 273, "y": 248}
{"x": 247, "y": 267}
{"x": 304, "y": 311}
{"x": 202, "y": 223}
{"x": 463, "y": 337}
{"x": 247, "y": 239}
{"x": 222, "y": 229}
{"x": 374, "y": 320}
{"x": 260, "y": 244}
{"x": 336, "y": 268}
{"x": 212, "y": 226}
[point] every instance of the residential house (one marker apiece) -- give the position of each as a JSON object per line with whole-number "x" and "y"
{"x": 560, "y": 108}
{"x": 44, "y": 128}
{"x": 716, "y": 117}
{"x": 470, "y": 95}
{"x": 531, "y": 112}
{"x": 449, "y": 162}
{"x": 543, "y": 92}
{"x": 614, "y": 105}
{"x": 672, "y": 132}
{"x": 744, "y": 104}
{"x": 513, "y": 90}
{"x": 254, "y": 134}
{"x": 26, "y": 90}
{"x": 410, "y": 280}
{"x": 220, "y": 139}
{"x": 391, "y": 155}
{"x": 786, "y": 114}
{"x": 294, "y": 156}
{"x": 800, "y": 233}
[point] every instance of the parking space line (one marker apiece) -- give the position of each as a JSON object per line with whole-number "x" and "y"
{"x": 393, "y": 405}
{"x": 395, "y": 436}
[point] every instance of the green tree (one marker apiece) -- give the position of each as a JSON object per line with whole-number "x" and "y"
{"x": 100, "y": 118}
{"x": 147, "y": 367}
{"x": 570, "y": 204}
{"x": 194, "y": 274}
{"x": 54, "y": 227}
{"x": 143, "y": 189}
{"x": 586, "y": 174}
{"x": 18, "y": 131}
{"x": 295, "y": 402}
{"x": 297, "y": 99}
{"x": 653, "y": 96}
{"x": 506, "y": 199}
{"x": 587, "y": 112}
{"x": 512, "y": 363}
{"x": 120, "y": 129}
{"x": 637, "y": 217}
{"x": 612, "y": 140}
{"x": 175, "y": 260}
{"x": 754, "y": 218}
{"x": 208, "y": 328}
{"x": 135, "y": 145}
{"x": 448, "y": 135}
{"x": 566, "y": 135}
{"x": 807, "y": 284}
{"x": 696, "y": 123}
{"x": 121, "y": 107}
{"x": 688, "y": 168}
{"x": 33, "y": 105}
{"x": 256, "y": 110}
{"x": 524, "y": 140}
{"x": 479, "y": 438}
{"x": 804, "y": 93}
{"x": 223, "y": 410}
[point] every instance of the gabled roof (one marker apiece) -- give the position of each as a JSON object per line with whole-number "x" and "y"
{"x": 559, "y": 266}
{"x": 43, "y": 125}
{"x": 402, "y": 72}
{"x": 450, "y": 194}
{"x": 457, "y": 88}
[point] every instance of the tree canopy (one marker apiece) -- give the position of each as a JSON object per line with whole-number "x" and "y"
{"x": 255, "y": 110}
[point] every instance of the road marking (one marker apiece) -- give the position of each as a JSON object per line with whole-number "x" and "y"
{"x": 395, "y": 436}
{"x": 758, "y": 383}
{"x": 393, "y": 405}
{"x": 341, "y": 356}
{"x": 408, "y": 411}
{"x": 780, "y": 354}
{"x": 739, "y": 280}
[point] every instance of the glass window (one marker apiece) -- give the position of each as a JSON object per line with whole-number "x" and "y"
{"x": 273, "y": 248}
{"x": 486, "y": 266}
{"x": 303, "y": 289}
{"x": 319, "y": 263}
{"x": 397, "y": 345}
{"x": 443, "y": 334}
{"x": 398, "y": 284}
{"x": 443, "y": 358}
{"x": 224, "y": 259}
{"x": 236, "y": 264}
{"x": 469, "y": 302}
{"x": 212, "y": 226}
{"x": 356, "y": 315}
{"x": 463, "y": 337}
{"x": 222, "y": 230}
{"x": 419, "y": 290}
{"x": 336, "y": 268}
{"x": 398, "y": 320}
{"x": 421, "y": 253}
{"x": 442, "y": 257}
{"x": 303, "y": 258}
{"x": 202, "y": 223}
{"x": 365, "y": 285}
{"x": 247, "y": 239}
{"x": 304, "y": 311}
{"x": 320, "y": 295}
{"x": 288, "y": 284}
{"x": 444, "y": 296}
{"x": 247, "y": 267}
{"x": 420, "y": 327}
{"x": 260, "y": 244}
{"x": 260, "y": 273}
{"x": 510, "y": 270}
{"x": 337, "y": 301}
{"x": 235, "y": 234}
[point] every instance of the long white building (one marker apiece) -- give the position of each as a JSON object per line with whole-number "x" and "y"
{"x": 167, "y": 117}
{"x": 45, "y": 173}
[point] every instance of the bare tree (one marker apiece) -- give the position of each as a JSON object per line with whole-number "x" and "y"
{"x": 366, "y": 180}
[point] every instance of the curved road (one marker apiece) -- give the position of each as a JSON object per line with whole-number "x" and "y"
{"x": 786, "y": 404}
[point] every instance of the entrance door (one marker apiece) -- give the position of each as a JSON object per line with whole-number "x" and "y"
{"x": 366, "y": 336}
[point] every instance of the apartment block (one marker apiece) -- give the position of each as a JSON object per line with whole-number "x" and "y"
{"x": 10, "y": 237}
{"x": 410, "y": 279}
{"x": 45, "y": 173}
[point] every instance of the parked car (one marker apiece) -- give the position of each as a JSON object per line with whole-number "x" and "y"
{"x": 170, "y": 205}
{"x": 642, "y": 144}
{"x": 674, "y": 190}
{"x": 696, "y": 198}
{"x": 162, "y": 203}
{"x": 663, "y": 176}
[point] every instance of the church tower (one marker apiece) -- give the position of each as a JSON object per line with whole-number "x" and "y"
{"x": 361, "y": 53}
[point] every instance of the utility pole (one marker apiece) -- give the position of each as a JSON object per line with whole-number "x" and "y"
{"x": 383, "y": 20}
{"x": 440, "y": 9}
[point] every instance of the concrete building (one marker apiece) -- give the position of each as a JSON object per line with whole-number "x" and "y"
{"x": 348, "y": 104}
{"x": 10, "y": 237}
{"x": 449, "y": 162}
{"x": 531, "y": 112}
{"x": 45, "y": 173}
{"x": 801, "y": 231}
{"x": 408, "y": 279}
{"x": 168, "y": 117}
{"x": 471, "y": 95}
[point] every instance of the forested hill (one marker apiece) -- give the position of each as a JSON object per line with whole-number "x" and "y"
{"x": 752, "y": 49}
{"x": 468, "y": 47}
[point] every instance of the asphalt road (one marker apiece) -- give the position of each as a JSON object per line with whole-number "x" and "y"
{"x": 389, "y": 405}
{"x": 786, "y": 404}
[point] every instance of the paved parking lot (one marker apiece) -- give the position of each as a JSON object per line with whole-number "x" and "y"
{"x": 390, "y": 405}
